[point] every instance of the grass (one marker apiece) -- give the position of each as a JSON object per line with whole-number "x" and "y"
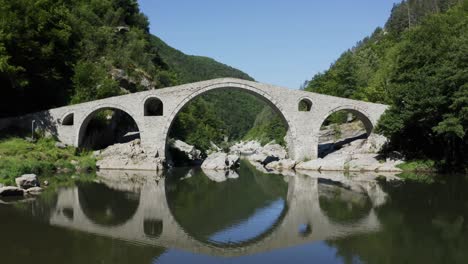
{"x": 18, "y": 156}
{"x": 418, "y": 166}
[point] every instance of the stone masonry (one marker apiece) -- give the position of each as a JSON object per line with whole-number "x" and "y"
{"x": 69, "y": 123}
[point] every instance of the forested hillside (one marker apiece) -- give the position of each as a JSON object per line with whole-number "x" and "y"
{"x": 58, "y": 52}
{"x": 417, "y": 64}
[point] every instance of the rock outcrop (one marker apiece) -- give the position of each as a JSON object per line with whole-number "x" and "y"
{"x": 27, "y": 181}
{"x": 221, "y": 161}
{"x": 183, "y": 154}
{"x": 128, "y": 156}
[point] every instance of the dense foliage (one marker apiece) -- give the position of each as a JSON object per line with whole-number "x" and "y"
{"x": 54, "y": 53}
{"x": 417, "y": 64}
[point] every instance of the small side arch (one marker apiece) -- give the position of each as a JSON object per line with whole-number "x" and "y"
{"x": 153, "y": 106}
{"x": 305, "y": 104}
{"x": 68, "y": 119}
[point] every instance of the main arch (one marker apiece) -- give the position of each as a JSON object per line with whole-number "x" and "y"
{"x": 274, "y": 104}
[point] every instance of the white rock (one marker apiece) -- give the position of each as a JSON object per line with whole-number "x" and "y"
{"x": 190, "y": 151}
{"x": 274, "y": 150}
{"x": 220, "y": 161}
{"x": 60, "y": 145}
{"x": 27, "y": 181}
{"x": 34, "y": 190}
{"x": 128, "y": 156}
{"x": 285, "y": 164}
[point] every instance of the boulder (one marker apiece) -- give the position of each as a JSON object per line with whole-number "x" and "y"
{"x": 11, "y": 191}
{"x": 246, "y": 148}
{"x": 221, "y": 161}
{"x": 190, "y": 151}
{"x": 286, "y": 164}
{"x": 34, "y": 190}
{"x": 128, "y": 156}
{"x": 257, "y": 157}
{"x": 329, "y": 163}
{"x": 363, "y": 162}
{"x": 60, "y": 145}
{"x": 274, "y": 150}
{"x": 27, "y": 181}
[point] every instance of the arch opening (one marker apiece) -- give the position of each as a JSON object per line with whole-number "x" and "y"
{"x": 305, "y": 105}
{"x": 215, "y": 118}
{"x": 107, "y": 126}
{"x": 153, "y": 107}
{"x": 68, "y": 120}
{"x": 341, "y": 128}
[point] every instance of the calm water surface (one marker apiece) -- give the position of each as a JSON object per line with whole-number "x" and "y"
{"x": 189, "y": 216}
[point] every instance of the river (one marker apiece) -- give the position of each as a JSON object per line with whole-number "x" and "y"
{"x": 188, "y": 216}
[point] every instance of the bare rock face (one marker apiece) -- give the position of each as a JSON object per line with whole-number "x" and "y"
{"x": 128, "y": 156}
{"x": 285, "y": 164}
{"x": 34, "y": 191}
{"x": 246, "y": 148}
{"x": 274, "y": 150}
{"x": 221, "y": 161}
{"x": 27, "y": 181}
{"x": 11, "y": 191}
{"x": 190, "y": 151}
{"x": 329, "y": 163}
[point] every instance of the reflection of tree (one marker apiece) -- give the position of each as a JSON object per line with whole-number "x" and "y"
{"x": 203, "y": 207}
{"x": 342, "y": 205}
{"x": 422, "y": 224}
{"x": 105, "y": 206}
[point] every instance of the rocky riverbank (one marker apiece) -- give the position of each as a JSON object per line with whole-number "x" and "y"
{"x": 26, "y": 185}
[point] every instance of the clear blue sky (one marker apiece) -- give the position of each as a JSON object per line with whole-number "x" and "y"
{"x": 282, "y": 42}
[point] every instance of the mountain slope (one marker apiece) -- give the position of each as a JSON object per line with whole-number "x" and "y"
{"x": 417, "y": 64}
{"x": 191, "y": 68}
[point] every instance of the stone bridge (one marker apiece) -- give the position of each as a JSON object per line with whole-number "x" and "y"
{"x": 154, "y": 224}
{"x": 154, "y": 112}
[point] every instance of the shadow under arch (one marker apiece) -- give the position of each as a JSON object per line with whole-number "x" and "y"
{"x": 83, "y": 123}
{"x": 105, "y": 206}
{"x": 206, "y": 240}
{"x": 229, "y": 85}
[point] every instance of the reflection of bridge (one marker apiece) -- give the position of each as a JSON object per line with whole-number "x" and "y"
{"x": 154, "y": 112}
{"x": 154, "y": 224}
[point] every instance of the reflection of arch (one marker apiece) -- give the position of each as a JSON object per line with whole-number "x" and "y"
{"x": 305, "y": 105}
{"x": 230, "y": 85}
{"x": 68, "y": 119}
{"x": 153, "y": 106}
{"x": 112, "y": 208}
{"x": 224, "y": 189}
{"x": 90, "y": 114}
